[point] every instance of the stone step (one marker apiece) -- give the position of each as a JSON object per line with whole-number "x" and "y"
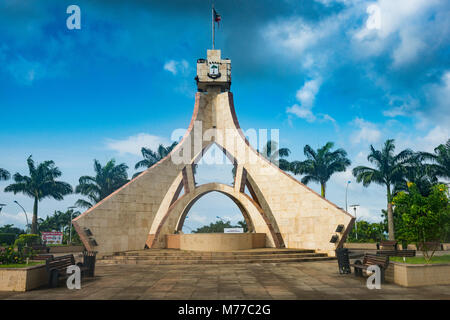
{"x": 225, "y": 261}
{"x": 177, "y": 253}
{"x": 213, "y": 257}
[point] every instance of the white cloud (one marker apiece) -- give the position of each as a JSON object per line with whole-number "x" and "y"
{"x": 176, "y": 67}
{"x": 400, "y": 106}
{"x": 368, "y": 132}
{"x": 133, "y": 144}
{"x": 302, "y": 112}
{"x": 306, "y": 95}
{"x": 400, "y": 25}
{"x": 196, "y": 217}
{"x": 17, "y": 219}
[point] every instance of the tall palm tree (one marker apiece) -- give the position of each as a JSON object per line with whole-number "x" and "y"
{"x": 389, "y": 170}
{"x": 417, "y": 172}
{"x": 4, "y": 174}
{"x": 107, "y": 179}
{"x": 271, "y": 152}
{"x": 320, "y": 165}
{"x": 151, "y": 157}
{"x": 40, "y": 184}
{"x": 440, "y": 166}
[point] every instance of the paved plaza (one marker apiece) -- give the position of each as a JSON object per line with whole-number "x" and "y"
{"x": 303, "y": 281}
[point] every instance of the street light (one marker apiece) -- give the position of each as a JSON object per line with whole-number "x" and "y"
{"x": 346, "y": 192}
{"x": 356, "y": 222}
{"x": 26, "y": 216}
{"x": 1, "y": 206}
{"x": 70, "y": 227}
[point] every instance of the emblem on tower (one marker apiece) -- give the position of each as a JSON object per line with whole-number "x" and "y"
{"x": 213, "y": 72}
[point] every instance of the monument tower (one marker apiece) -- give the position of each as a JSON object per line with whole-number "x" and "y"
{"x": 149, "y": 209}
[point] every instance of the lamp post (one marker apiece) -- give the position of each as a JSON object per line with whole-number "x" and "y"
{"x": 356, "y": 222}
{"x": 70, "y": 227}
{"x": 26, "y": 216}
{"x": 1, "y": 206}
{"x": 346, "y": 192}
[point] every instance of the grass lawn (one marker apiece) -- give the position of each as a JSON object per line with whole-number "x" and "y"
{"x": 421, "y": 260}
{"x": 21, "y": 265}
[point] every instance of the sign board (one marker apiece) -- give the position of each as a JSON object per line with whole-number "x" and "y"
{"x": 53, "y": 237}
{"x": 233, "y": 230}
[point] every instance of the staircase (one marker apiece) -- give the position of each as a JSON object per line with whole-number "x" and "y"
{"x": 182, "y": 257}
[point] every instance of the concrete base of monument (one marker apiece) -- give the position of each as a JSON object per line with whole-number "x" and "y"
{"x": 216, "y": 241}
{"x": 188, "y": 257}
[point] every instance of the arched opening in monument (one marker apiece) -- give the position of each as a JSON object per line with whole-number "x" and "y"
{"x": 213, "y": 211}
{"x": 213, "y": 165}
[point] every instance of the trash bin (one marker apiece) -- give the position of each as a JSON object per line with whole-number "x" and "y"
{"x": 89, "y": 262}
{"x": 343, "y": 260}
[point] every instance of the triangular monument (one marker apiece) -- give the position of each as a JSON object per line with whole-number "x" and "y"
{"x": 149, "y": 208}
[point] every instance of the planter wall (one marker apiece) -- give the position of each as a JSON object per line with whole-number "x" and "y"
{"x": 22, "y": 279}
{"x": 415, "y": 275}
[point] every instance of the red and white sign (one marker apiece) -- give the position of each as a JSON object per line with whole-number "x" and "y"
{"x": 53, "y": 237}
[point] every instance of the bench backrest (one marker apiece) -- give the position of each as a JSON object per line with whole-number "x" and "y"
{"x": 388, "y": 244}
{"x": 60, "y": 263}
{"x": 379, "y": 260}
{"x": 397, "y": 253}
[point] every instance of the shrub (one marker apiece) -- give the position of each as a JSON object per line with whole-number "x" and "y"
{"x": 11, "y": 256}
{"x": 7, "y": 238}
{"x": 26, "y": 240}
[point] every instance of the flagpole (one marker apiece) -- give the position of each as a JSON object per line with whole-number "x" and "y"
{"x": 213, "y": 26}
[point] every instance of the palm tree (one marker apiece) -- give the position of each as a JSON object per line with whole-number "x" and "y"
{"x": 4, "y": 174}
{"x": 151, "y": 157}
{"x": 390, "y": 170}
{"x": 417, "y": 172}
{"x": 40, "y": 184}
{"x": 440, "y": 166}
{"x": 107, "y": 179}
{"x": 274, "y": 155}
{"x": 320, "y": 165}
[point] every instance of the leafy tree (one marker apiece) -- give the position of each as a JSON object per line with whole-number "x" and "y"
{"x": 218, "y": 226}
{"x": 61, "y": 220}
{"x": 389, "y": 170}
{"x": 426, "y": 218}
{"x": 9, "y": 228}
{"x": 4, "y": 174}
{"x": 40, "y": 184}
{"x": 243, "y": 224}
{"x": 151, "y": 157}
{"x": 440, "y": 159}
{"x": 367, "y": 232}
{"x": 107, "y": 179}
{"x": 321, "y": 164}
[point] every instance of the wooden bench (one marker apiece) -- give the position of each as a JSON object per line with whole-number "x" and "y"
{"x": 397, "y": 253}
{"x": 387, "y": 245}
{"x": 57, "y": 268}
{"x": 371, "y": 259}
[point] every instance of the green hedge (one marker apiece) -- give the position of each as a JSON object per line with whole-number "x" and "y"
{"x": 27, "y": 240}
{"x": 7, "y": 238}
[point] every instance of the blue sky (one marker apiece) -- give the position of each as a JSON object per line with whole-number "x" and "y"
{"x": 316, "y": 70}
